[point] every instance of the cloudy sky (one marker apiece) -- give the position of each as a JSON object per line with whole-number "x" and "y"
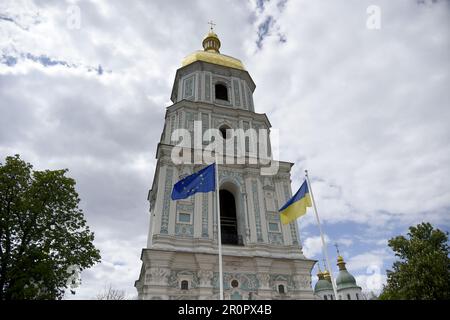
{"x": 364, "y": 104}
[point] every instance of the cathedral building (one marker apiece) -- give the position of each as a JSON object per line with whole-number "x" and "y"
{"x": 262, "y": 258}
{"x": 346, "y": 286}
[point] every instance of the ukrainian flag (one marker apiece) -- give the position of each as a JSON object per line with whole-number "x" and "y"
{"x": 296, "y": 206}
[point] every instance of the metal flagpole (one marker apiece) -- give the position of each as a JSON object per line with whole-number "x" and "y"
{"x": 219, "y": 233}
{"x": 324, "y": 246}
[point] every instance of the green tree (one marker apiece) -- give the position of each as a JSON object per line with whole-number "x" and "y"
{"x": 43, "y": 234}
{"x": 423, "y": 271}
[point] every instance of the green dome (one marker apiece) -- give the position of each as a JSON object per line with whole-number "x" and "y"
{"x": 323, "y": 285}
{"x": 324, "y": 282}
{"x": 345, "y": 280}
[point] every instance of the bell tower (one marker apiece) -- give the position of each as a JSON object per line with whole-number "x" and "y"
{"x": 262, "y": 259}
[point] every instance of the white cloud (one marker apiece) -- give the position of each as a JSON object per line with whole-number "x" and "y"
{"x": 371, "y": 283}
{"x": 363, "y": 110}
{"x": 118, "y": 268}
{"x": 372, "y": 259}
{"x": 371, "y": 129}
{"x": 312, "y": 246}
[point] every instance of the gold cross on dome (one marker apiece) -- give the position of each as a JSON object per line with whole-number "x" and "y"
{"x": 212, "y": 24}
{"x": 337, "y": 249}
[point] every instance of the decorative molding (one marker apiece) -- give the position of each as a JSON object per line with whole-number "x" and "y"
{"x": 257, "y": 211}
{"x": 224, "y": 80}
{"x": 276, "y": 238}
{"x": 157, "y": 276}
{"x": 232, "y": 175}
{"x": 177, "y": 275}
{"x": 205, "y": 208}
{"x": 237, "y": 97}
{"x": 199, "y": 86}
{"x": 264, "y": 280}
{"x": 205, "y": 277}
{"x": 244, "y": 96}
{"x": 276, "y": 278}
{"x": 247, "y": 282}
{"x": 302, "y": 282}
{"x": 190, "y": 117}
{"x": 183, "y": 229}
{"x": 189, "y": 87}
{"x": 207, "y": 87}
{"x": 249, "y": 98}
{"x": 166, "y": 201}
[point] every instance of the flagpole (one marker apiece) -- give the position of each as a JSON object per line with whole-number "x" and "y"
{"x": 324, "y": 246}
{"x": 219, "y": 233}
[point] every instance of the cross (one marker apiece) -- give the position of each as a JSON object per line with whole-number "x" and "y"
{"x": 337, "y": 249}
{"x": 212, "y": 24}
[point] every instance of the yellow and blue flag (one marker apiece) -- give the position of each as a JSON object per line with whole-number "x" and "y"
{"x": 200, "y": 181}
{"x": 296, "y": 206}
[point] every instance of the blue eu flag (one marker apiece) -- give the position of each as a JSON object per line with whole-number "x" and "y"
{"x": 200, "y": 181}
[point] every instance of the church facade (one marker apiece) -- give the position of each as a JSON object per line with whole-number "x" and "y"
{"x": 262, "y": 259}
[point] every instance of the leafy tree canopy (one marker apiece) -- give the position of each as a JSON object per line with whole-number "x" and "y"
{"x": 423, "y": 269}
{"x": 44, "y": 238}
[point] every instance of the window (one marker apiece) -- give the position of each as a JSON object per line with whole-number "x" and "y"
{"x": 357, "y": 296}
{"x": 331, "y": 297}
{"x": 235, "y": 283}
{"x": 184, "y": 217}
{"x": 228, "y": 219}
{"x": 281, "y": 289}
{"x": 221, "y": 92}
{"x": 223, "y": 131}
{"x": 325, "y": 297}
{"x": 348, "y": 296}
{"x": 273, "y": 226}
{"x": 184, "y": 285}
{"x": 340, "y": 297}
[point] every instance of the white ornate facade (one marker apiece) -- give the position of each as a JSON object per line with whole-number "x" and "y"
{"x": 262, "y": 259}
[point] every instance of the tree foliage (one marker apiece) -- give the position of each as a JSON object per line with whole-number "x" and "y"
{"x": 423, "y": 271}
{"x": 43, "y": 233}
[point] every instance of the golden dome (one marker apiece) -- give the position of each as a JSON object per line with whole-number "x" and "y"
{"x": 211, "y": 54}
{"x": 211, "y": 42}
{"x": 341, "y": 263}
{"x": 212, "y": 57}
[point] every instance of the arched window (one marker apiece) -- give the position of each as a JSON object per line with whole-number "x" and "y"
{"x": 325, "y": 297}
{"x": 221, "y": 92}
{"x": 184, "y": 285}
{"x": 228, "y": 218}
{"x": 357, "y": 296}
{"x": 349, "y": 297}
{"x": 223, "y": 131}
{"x": 281, "y": 289}
{"x": 331, "y": 297}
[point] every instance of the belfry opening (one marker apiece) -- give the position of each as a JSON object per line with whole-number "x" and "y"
{"x": 228, "y": 218}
